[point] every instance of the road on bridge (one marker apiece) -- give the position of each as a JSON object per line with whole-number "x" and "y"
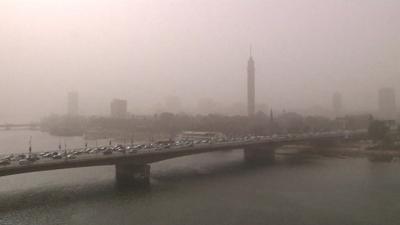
{"x": 153, "y": 152}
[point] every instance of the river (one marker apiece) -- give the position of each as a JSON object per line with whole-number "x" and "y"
{"x": 216, "y": 188}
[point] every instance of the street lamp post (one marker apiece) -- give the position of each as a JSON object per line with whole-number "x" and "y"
{"x": 30, "y": 146}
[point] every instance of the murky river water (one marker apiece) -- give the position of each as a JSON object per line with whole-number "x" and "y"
{"x": 217, "y": 188}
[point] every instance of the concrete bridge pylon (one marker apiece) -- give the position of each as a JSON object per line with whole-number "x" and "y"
{"x": 259, "y": 154}
{"x": 132, "y": 174}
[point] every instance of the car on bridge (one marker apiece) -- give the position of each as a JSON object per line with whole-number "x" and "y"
{"x": 4, "y": 162}
{"x": 20, "y": 156}
{"x": 24, "y": 162}
{"x": 56, "y": 156}
{"x": 107, "y": 152}
{"x": 132, "y": 151}
{"x": 33, "y": 157}
{"x": 9, "y": 157}
{"x": 71, "y": 156}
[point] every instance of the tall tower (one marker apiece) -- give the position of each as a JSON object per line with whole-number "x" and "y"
{"x": 251, "y": 86}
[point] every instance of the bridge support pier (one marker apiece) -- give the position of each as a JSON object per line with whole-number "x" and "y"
{"x": 259, "y": 154}
{"x": 132, "y": 174}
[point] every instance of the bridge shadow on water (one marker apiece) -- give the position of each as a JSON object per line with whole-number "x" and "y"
{"x": 233, "y": 168}
{"x": 166, "y": 177}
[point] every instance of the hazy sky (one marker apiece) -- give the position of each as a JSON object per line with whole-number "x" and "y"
{"x": 145, "y": 51}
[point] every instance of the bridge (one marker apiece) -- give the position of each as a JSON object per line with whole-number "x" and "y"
{"x": 134, "y": 168}
{"x": 30, "y": 126}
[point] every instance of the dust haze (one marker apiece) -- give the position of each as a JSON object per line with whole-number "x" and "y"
{"x": 185, "y": 56}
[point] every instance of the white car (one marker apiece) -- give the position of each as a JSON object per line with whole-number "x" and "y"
{"x": 24, "y": 162}
{"x": 71, "y": 156}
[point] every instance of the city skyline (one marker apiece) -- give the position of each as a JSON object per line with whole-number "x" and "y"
{"x": 385, "y": 108}
{"x": 300, "y": 70}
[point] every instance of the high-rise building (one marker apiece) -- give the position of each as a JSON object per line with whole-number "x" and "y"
{"x": 387, "y": 103}
{"x": 337, "y": 104}
{"x": 251, "y": 86}
{"x": 73, "y": 104}
{"x": 119, "y": 108}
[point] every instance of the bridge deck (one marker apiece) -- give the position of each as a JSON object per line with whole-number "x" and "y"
{"x": 144, "y": 157}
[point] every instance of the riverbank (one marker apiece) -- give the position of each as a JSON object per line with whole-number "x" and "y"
{"x": 357, "y": 151}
